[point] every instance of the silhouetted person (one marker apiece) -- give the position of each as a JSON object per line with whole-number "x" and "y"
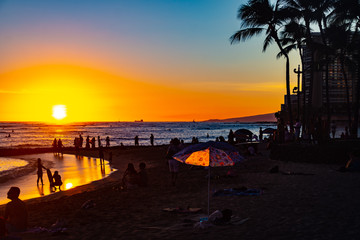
{"x": 231, "y": 137}
{"x": 16, "y": 215}
{"x": 173, "y": 164}
{"x": 130, "y": 177}
{"x": 152, "y": 140}
{"x": 107, "y": 141}
{"x": 136, "y": 140}
{"x": 87, "y": 146}
{"x": 81, "y": 140}
{"x": 261, "y": 134}
{"x": 57, "y": 180}
{"x": 99, "y": 141}
{"x": 54, "y": 145}
{"x": 39, "y": 172}
{"x": 143, "y": 179}
{"x": 333, "y": 129}
{"x": 93, "y": 142}
{"x": 60, "y": 146}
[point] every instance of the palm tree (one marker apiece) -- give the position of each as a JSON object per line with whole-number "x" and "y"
{"x": 258, "y": 16}
{"x": 293, "y": 37}
{"x": 347, "y": 14}
{"x": 339, "y": 41}
{"x": 321, "y": 10}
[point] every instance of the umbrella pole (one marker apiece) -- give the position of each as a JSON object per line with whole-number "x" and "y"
{"x": 209, "y": 192}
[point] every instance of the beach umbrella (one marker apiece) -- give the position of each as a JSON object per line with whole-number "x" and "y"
{"x": 209, "y": 154}
{"x": 243, "y": 134}
{"x": 243, "y": 131}
{"x": 269, "y": 131}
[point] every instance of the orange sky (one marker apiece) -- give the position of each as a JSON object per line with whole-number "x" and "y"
{"x": 90, "y": 95}
{"x": 105, "y": 64}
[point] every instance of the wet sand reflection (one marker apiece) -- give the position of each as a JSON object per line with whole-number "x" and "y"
{"x": 75, "y": 171}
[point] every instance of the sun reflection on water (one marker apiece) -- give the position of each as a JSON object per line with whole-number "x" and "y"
{"x": 68, "y": 186}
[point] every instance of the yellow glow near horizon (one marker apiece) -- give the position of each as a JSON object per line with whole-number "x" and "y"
{"x": 59, "y": 112}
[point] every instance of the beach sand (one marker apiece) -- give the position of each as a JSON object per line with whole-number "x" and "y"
{"x": 320, "y": 204}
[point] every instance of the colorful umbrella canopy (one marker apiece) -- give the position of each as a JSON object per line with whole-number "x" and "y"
{"x": 213, "y": 154}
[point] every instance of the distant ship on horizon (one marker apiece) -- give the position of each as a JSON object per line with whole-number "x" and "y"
{"x": 139, "y": 120}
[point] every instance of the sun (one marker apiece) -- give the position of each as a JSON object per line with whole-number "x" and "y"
{"x": 59, "y": 112}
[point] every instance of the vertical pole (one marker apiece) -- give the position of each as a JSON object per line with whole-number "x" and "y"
{"x": 209, "y": 192}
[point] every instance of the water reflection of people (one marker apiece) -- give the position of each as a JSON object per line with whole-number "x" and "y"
{"x": 40, "y": 190}
{"x": 102, "y": 170}
{"x": 16, "y": 215}
{"x": 39, "y": 172}
{"x": 101, "y": 156}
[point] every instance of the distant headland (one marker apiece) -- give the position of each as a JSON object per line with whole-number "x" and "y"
{"x": 269, "y": 117}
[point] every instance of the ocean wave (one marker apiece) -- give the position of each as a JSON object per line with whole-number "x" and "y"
{"x": 17, "y": 172}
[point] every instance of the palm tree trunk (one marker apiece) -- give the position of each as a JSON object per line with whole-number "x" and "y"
{"x": 291, "y": 122}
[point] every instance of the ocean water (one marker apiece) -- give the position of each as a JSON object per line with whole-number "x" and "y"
{"x": 31, "y": 135}
{"x": 7, "y": 164}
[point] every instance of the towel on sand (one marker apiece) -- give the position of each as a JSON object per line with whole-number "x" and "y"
{"x": 238, "y": 192}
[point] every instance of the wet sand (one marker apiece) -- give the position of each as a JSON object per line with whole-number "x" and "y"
{"x": 74, "y": 171}
{"x": 319, "y": 203}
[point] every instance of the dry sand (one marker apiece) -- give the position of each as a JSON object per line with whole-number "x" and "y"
{"x": 325, "y": 205}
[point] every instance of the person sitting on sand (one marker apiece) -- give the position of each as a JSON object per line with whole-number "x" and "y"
{"x": 40, "y": 172}
{"x": 130, "y": 177}
{"x": 57, "y": 180}
{"x": 173, "y": 164}
{"x": 16, "y": 215}
{"x": 143, "y": 179}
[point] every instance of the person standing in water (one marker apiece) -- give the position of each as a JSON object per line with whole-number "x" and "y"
{"x": 152, "y": 140}
{"x": 40, "y": 168}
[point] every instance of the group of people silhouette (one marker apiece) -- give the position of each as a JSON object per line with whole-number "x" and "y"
{"x": 54, "y": 180}
{"x": 132, "y": 178}
{"x": 57, "y": 146}
{"x": 78, "y": 142}
{"x": 152, "y": 138}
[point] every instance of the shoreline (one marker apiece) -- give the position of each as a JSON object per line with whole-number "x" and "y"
{"x": 319, "y": 205}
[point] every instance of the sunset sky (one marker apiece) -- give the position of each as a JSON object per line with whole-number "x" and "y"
{"x": 122, "y": 60}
